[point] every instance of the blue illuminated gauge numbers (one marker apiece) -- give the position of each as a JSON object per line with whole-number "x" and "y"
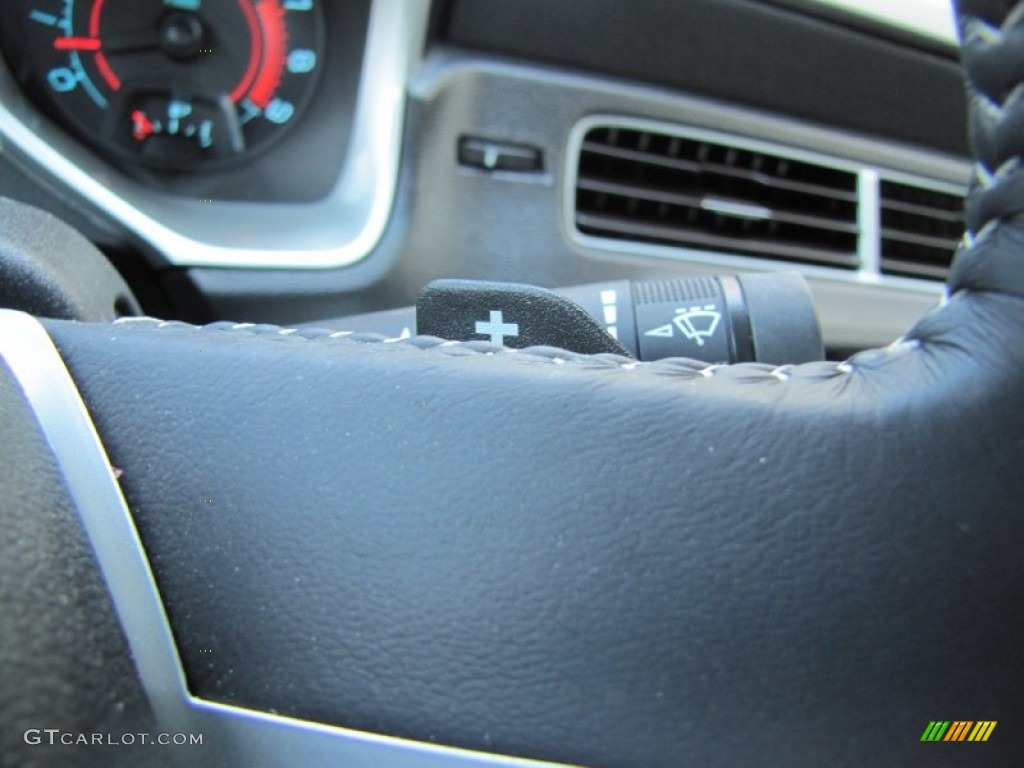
{"x": 172, "y": 84}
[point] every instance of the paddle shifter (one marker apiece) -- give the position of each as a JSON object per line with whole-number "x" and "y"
{"x": 755, "y": 317}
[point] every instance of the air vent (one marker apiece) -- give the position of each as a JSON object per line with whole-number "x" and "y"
{"x": 920, "y": 230}
{"x": 653, "y": 187}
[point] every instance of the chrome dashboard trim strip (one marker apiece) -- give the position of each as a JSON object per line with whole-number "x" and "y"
{"x": 231, "y": 735}
{"x": 334, "y": 232}
{"x": 869, "y": 242}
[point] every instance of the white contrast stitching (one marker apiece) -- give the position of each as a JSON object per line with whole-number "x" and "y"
{"x": 982, "y": 234}
{"x": 1012, "y": 18}
{"x": 123, "y": 320}
{"x": 781, "y": 373}
{"x": 903, "y": 345}
{"x": 983, "y": 175}
{"x": 982, "y": 30}
{"x": 1004, "y": 170}
{"x": 1012, "y": 100}
{"x": 994, "y": 110}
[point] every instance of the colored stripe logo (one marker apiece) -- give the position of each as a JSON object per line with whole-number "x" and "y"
{"x": 958, "y": 730}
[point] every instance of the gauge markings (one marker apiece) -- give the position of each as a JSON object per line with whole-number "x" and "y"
{"x": 176, "y": 84}
{"x": 249, "y": 111}
{"x": 82, "y": 77}
{"x": 44, "y": 18}
{"x": 255, "y": 54}
{"x": 272, "y": 16}
{"x": 106, "y": 72}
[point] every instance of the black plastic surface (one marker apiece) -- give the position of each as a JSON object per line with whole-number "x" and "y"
{"x": 706, "y": 319}
{"x": 488, "y": 155}
{"x": 738, "y": 51}
{"x": 509, "y": 314}
{"x": 49, "y": 269}
{"x": 709, "y": 318}
{"x": 783, "y": 324}
{"x": 685, "y": 318}
{"x": 448, "y": 221}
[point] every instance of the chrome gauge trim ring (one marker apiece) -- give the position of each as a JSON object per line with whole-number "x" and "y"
{"x": 336, "y": 231}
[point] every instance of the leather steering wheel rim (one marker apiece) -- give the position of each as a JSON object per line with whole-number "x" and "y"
{"x": 347, "y": 548}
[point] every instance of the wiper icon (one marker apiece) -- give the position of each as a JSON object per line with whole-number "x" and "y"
{"x": 697, "y": 323}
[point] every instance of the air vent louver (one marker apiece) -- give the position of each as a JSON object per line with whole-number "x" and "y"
{"x": 661, "y": 188}
{"x": 920, "y": 230}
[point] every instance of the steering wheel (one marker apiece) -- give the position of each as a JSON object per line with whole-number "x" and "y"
{"x": 312, "y": 549}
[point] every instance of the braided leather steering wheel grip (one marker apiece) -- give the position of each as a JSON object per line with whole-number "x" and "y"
{"x": 582, "y": 559}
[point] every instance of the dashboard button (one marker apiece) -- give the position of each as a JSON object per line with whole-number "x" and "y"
{"x": 488, "y": 155}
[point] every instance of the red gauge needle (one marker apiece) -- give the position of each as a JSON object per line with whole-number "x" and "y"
{"x": 77, "y": 44}
{"x": 142, "y": 41}
{"x": 131, "y": 42}
{"x": 110, "y": 45}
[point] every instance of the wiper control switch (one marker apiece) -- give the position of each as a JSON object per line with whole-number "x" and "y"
{"x": 755, "y": 317}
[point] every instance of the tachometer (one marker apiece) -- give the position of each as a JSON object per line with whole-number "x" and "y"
{"x": 173, "y": 84}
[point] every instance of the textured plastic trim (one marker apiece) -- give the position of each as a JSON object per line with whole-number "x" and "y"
{"x": 868, "y": 220}
{"x": 231, "y": 736}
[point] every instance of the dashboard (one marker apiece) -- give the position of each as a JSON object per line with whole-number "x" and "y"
{"x": 174, "y": 87}
{"x": 274, "y": 514}
{"x": 299, "y": 161}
